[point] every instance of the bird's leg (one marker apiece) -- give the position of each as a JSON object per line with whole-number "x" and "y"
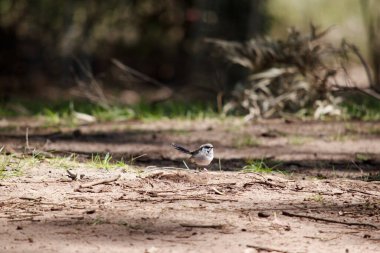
{"x": 200, "y": 169}
{"x": 185, "y": 164}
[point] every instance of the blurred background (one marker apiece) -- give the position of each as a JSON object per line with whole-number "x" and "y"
{"x": 147, "y": 51}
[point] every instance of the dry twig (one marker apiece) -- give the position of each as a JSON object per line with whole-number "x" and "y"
{"x": 363, "y": 192}
{"x": 217, "y": 191}
{"x": 216, "y": 226}
{"x": 328, "y": 220}
{"x": 31, "y": 198}
{"x": 102, "y": 181}
{"x": 155, "y": 199}
{"x": 264, "y": 183}
{"x": 261, "y": 248}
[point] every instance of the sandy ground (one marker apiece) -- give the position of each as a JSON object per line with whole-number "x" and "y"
{"x": 320, "y": 201}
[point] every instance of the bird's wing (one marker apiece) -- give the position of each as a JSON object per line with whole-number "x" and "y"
{"x": 182, "y": 149}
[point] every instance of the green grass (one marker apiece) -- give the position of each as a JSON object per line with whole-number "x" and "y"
{"x": 257, "y": 166}
{"x": 15, "y": 165}
{"x": 11, "y": 166}
{"x": 193, "y": 110}
{"x": 65, "y": 113}
{"x": 104, "y": 162}
{"x": 260, "y": 166}
{"x": 101, "y": 162}
{"x": 361, "y": 108}
{"x": 8, "y": 174}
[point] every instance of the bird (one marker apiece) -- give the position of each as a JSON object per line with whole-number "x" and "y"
{"x": 202, "y": 156}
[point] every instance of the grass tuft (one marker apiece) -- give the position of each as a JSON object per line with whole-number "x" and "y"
{"x": 257, "y": 167}
{"x": 106, "y": 162}
{"x": 11, "y": 166}
{"x": 102, "y": 162}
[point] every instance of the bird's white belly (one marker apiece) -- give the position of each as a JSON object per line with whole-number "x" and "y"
{"x": 202, "y": 161}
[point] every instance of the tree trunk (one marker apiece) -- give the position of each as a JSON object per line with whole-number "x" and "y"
{"x": 371, "y": 16}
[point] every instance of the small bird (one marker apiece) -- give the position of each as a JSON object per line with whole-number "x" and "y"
{"x": 201, "y": 156}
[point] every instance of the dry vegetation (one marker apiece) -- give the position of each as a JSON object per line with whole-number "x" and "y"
{"x": 289, "y": 75}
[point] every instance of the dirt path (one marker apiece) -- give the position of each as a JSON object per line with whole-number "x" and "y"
{"x": 176, "y": 210}
{"x": 182, "y": 211}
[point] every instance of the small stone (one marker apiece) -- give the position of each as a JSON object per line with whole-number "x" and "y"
{"x": 263, "y": 215}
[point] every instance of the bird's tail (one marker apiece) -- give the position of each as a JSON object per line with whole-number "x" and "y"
{"x": 182, "y": 149}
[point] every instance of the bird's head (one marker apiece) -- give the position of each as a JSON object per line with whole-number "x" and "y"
{"x": 208, "y": 147}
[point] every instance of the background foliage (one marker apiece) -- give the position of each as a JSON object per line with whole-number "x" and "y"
{"x": 60, "y": 50}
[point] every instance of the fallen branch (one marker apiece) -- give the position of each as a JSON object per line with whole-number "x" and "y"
{"x": 328, "y": 220}
{"x": 363, "y": 192}
{"x": 88, "y": 190}
{"x": 30, "y": 218}
{"x": 211, "y": 200}
{"x": 186, "y": 225}
{"x": 367, "y": 70}
{"x": 102, "y": 181}
{"x": 220, "y": 184}
{"x": 263, "y": 183}
{"x": 166, "y": 191}
{"x": 31, "y": 198}
{"x": 260, "y": 248}
{"x": 321, "y": 239}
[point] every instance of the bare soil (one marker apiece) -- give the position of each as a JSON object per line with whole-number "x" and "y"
{"x": 322, "y": 196}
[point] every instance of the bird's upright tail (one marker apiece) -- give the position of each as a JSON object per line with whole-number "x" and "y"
{"x": 182, "y": 149}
